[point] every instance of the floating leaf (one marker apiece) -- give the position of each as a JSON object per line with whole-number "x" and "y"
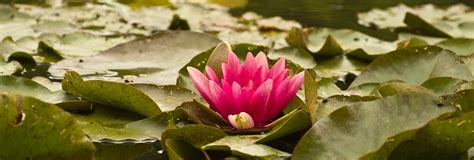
{"x": 446, "y": 139}
{"x": 414, "y": 65}
{"x": 196, "y": 135}
{"x": 117, "y": 126}
{"x": 296, "y": 122}
{"x": 27, "y": 87}
{"x": 121, "y": 151}
{"x": 354, "y": 131}
{"x": 311, "y": 96}
{"x": 111, "y": 94}
{"x": 167, "y": 97}
{"x": 157, "y": 61}
{"x": 202, "y": 114}
{"x": 32, "y": 129}
{"x": 245, "y": 146}
{"x": 298, "y": 56}
{"x": 460, "y": 46}
{"x": 178, "y": 149}
{"x": 8, "y": 68}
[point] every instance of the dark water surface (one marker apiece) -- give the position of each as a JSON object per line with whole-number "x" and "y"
{"x": 333, "y": 13}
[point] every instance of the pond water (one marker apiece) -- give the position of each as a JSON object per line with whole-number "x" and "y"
{"x": 333, "y": 13}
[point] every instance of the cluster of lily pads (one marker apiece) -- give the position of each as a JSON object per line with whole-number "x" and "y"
{"x": 104, "y": 81}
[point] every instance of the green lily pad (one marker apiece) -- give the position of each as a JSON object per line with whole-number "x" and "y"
{"x": 195, "y": 134}
{"x": 296, "y": 122}
{"x": 419, "y": 24}
{"x": 8, "y": 68}
{"x": 106, "y": 151}
{"x": 393, "y": 88}
{"x": 167, "y": 97}
{"x": 245, "y": 146}
{"x": 412, "y": 42}
{"x": 425, "y": 63}
{"x": 348, "y": 40}
{"x": 28, "y": 87}
{"x": 297, "y": 56}
{"x": 339, "y": 67}
{"x": 202, "y": 114}
{"x": 327, "y": 88}
{"x": 460, "y": 46}
{"x": 442, "y": 85}
{"x": 110, "y": 94}
{"x": 335, "y": 102}
{"x": 32, "y": 129}
{"x": 157, "y": 61}
{"x": 445, "y": 139}
{"x": 354, "y": 131}
{"x": 311, "y": 96}
{"x": 14, "y": 23}
{"x": 180, "y": 150}
{"x": 118, "y": 126}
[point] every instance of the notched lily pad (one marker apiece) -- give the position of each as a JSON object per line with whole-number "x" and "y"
{"x": 32, "y": 129}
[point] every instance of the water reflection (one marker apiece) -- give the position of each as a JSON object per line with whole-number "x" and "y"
{"x": 333, "y": 13}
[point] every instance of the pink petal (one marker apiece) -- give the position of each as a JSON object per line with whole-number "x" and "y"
{"x": 233, "y": 61}
{"x": 238, "y": 98}
{"x": 258, "y": 103}
{"x": 278, "y": 67}
{"x": 261, "y": 60}
{"x": 217, "y": 97}
{"x": 200, "y": 82}
{"x": 277, "y": 100}
{"x": 211, "y": 74}
{"x": 285, "y": 93}
{"x": 227, "y": 74}
{"x": 280, "y": 77}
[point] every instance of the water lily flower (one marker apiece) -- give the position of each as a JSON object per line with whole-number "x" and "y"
{"x": 248, "y": 94}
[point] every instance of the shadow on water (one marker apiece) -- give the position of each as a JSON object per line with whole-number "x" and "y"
{"x": 333, "y": 13}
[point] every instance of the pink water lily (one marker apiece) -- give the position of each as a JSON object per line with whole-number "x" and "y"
{"x": 250, "y": 94}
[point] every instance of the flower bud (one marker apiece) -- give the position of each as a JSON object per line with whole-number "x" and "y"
{"x": 241, "y": 121}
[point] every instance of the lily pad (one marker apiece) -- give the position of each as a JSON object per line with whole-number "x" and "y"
{"x": 156, "y": 62}
{"x": 178, "y": 149}
{"x": 245, "y": 146}
{"x": 167, "y": 97}
{"x": 335, "y": 102}
{"x": 8, "y": 68}
{"x": 354, "y": 131}
{"x": 27, "y": 87}
{"x": 446, "y": 139}
{"x": 28, "y": 123}
{"x": 106, "y": 125}
{"x": 460, "y": 46}
{"x": 196, "y": 134}
{"x": 110, "y": 94}
{"x": 296, "y": 122}
{"x": 311, "y": 96}
{"x": 414, "y": 65}
{"x": 327, "y": 88}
